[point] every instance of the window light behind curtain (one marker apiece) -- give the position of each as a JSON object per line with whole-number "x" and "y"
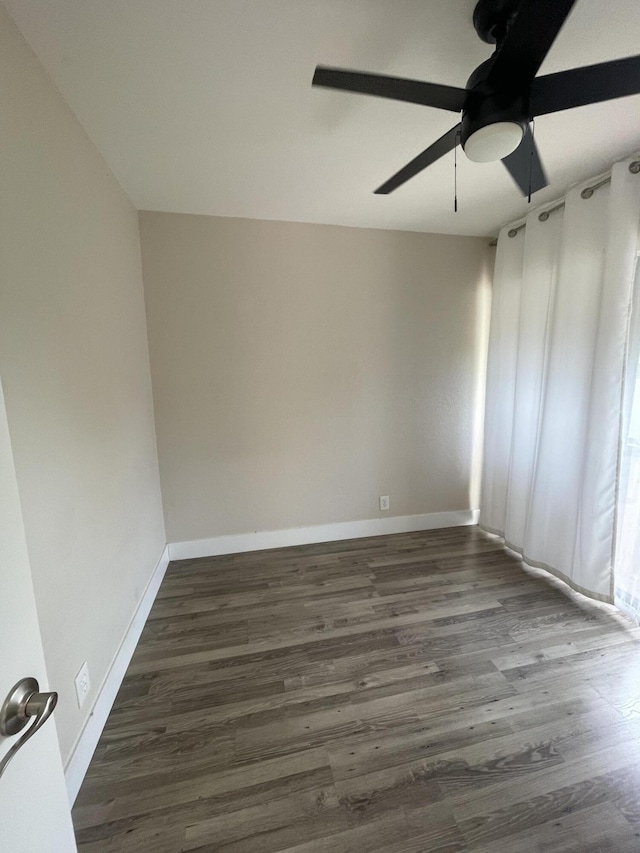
{"x": 559, "y": 323}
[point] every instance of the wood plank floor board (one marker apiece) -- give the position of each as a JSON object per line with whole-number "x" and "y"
{"x": 412, "y": 693}
{"x": 588, "y": 830}
{"x": 530, "y": 813}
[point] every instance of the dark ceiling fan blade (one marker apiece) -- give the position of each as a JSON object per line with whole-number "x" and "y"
{"x": 588, "y": 85}
{"x": 529, "y": 37}
{"x": 396, "y": 88}
{"x": 445, "y": 144}
{"x": 525, "y": 166}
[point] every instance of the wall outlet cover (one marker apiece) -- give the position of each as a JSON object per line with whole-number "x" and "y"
{"x": 384, "y": 502}
{"x": 83, "y": 685}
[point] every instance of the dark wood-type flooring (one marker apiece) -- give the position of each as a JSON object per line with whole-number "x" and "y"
{"x": 407, "y": 694}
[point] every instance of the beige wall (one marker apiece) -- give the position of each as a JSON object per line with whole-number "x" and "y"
{"x": 74, "y": 365}
{"x": 300, "y": 371}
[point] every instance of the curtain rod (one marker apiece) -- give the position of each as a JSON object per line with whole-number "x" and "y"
{"x": 587, "y": 192}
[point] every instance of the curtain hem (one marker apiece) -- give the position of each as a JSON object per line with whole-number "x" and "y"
{"x": 628, "y": 605}
{"x": 536, "y": 564}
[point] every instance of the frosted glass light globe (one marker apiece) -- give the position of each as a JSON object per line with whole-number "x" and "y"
{"x": 493, "y": 141}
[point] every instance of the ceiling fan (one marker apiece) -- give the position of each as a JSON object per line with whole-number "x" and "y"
{"x": 503, "y": 95}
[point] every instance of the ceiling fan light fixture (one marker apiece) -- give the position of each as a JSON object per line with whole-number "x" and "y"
{"x": 493, "y": 141}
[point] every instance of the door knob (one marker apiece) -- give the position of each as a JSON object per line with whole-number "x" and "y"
{"x": 24, "y": 703}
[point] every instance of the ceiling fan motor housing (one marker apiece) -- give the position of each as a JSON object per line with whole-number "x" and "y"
{"x": 486, "y": 106}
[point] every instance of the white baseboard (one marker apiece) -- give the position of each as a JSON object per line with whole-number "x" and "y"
{"x": 87, "y": 741}
{"x": 261, "y": 540}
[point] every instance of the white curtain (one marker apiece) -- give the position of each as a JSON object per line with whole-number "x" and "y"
{"x": 559, "y": 327}
{"x": 627, "y": 559}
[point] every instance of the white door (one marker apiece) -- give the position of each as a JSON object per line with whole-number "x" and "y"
{"x": 34, "y": 810}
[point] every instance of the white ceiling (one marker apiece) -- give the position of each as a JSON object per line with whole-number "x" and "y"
{"x": 206, "y": 106}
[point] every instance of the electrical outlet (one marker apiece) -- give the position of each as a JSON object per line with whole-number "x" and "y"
{"x": 83, "y": 685}
{"x": 384, "y": 502}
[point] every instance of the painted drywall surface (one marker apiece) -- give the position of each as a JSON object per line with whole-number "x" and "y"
{"x": 300, "y": 371}
{"x": 74, "y": 364}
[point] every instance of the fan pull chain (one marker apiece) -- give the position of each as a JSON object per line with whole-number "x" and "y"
{"x": 533, "y": 148}
{"x": 455, "y": 174}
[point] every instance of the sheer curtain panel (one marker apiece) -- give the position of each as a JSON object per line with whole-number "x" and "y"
{"x": 559, "y": 324}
